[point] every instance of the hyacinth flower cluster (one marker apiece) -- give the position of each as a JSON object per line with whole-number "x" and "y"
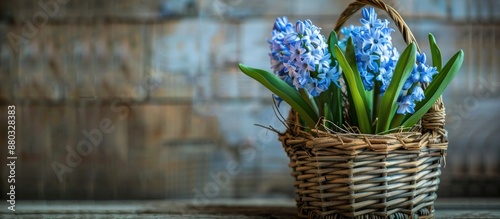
{"x": 384, "y": 88}
{"x": 412, "y": 89}
{"x": 299, "y": 56}
{"x": 377, "y": 58}
{"x": 375, "y": 55}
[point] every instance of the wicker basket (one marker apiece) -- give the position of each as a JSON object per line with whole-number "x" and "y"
{"x": 368, "y": 176}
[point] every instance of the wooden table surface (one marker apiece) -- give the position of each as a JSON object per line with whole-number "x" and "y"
{"x": 220, "y": 208}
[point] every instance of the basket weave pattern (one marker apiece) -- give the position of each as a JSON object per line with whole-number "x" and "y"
{"x": 362, "y": 176}
{"x": 345, "y": 175}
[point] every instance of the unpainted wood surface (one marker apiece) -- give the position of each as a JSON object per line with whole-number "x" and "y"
{"x": 248, "y": 209}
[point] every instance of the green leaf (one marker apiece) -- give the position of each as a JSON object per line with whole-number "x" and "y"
{"x": 332, "y": 41}
{"x": 436, "y": 53}
{"x": 328, "y": 115}
{"x": 325, "y": 96}
{"x": 309, "y": 101}
{"x": 375, "y": 96}
{"x": 397, "y": 120}
{"x": 351, "y": 112}
{"x": 436, "y": 88}
{"x": 336, "y": 106}
{"x": 335, "y": 97}
{"x": 350, "y": 55}
{"x": 355, "y": 91}
{"x": 388, "y": 103}
{"x": 284, "y": 91}
{"x": 336, "y": 94}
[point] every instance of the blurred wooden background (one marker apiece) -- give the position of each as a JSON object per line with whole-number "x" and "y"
{"x": 165, "y": 74}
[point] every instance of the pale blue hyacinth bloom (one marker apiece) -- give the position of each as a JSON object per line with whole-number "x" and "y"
{"x": 369, "y": 19}
{"x": 375, "y": 54}
{"x": 417, "y": 93}
{"x": 421, "y": 74}
{"x": 406, "y": 105}
{"x": 376, "y": 59}
{"x": 427, "y": 75}
{"x": 297, "y": 51}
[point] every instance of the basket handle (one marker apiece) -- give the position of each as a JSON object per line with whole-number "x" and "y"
{"x": 434, "y": 119}
{"x": 395, "y": 16}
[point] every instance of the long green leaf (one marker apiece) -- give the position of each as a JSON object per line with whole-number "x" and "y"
{"x": 332, "y": 41}
{"x": 350, "y": 55}
{"x": 352, "y": 116}
{"x": 328, "y": 115}
{"x": 436, "y": 88}
{"x": 335, "y": 97}
{"x": 336, "y": 106}
{"x": 359, "y": 105}
{"x": 388, "y": 103}
{"x": 436, "y": 62}
{"x": 325, "y": 96}
{"x": 283, "y": 90}
{"x": 397, "y": 120}
{"x": 309, "y": 101}
{"x": 436, "y": 53}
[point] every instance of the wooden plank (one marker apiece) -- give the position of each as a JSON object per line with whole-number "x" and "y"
{"x": 220, "y": 208}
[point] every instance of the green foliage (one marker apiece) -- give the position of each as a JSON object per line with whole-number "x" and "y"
{"x": 436, "y": 88}
{"x": 388, "y": 103}
{"x": 371, "y": 112}
{"x": 436, "y": 53}
{"x": 357, "y": 92}
{"x": 285, "y": 91}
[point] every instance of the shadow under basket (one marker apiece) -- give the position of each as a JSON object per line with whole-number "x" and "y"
{"x": 366, "y": 176}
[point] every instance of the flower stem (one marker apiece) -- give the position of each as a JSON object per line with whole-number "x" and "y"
{"x": 376, "y": 102}
{"x": 311, "y": 103}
